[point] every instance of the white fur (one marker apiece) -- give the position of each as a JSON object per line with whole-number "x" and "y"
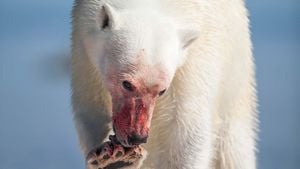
{"x": 207, "y": 118}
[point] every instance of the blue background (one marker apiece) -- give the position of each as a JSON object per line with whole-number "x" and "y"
{"x": 36, "y": 129}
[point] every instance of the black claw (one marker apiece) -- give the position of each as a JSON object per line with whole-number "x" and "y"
{"x": 98, "y": 151}
{"x": 113, "y": 139}
{"x": 94, "y": 162}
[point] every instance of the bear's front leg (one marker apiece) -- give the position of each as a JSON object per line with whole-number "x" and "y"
{"x": 112, "y": 155}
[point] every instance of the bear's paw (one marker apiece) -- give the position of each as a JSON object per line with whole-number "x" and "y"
{"x": 112, "y": 155}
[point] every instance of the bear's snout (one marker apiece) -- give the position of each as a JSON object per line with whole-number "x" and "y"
{"x": 131, "y": 122}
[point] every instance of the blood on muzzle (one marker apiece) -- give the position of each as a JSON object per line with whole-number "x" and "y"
{"x": 132, "y": 122}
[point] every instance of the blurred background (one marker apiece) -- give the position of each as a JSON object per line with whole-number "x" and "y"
{"x": 36, "y": 129}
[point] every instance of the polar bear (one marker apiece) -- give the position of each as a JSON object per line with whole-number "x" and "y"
{"x": 175, "y": 76}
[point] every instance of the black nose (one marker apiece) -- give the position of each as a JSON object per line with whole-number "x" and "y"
{"x": 136, "y": 139}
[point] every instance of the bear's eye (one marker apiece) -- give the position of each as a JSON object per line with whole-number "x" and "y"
{"x": 128, "y": 86}
{"x": 161, "y": 92}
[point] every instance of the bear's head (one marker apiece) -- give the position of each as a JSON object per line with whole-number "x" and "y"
{"x": 136, "y": 52}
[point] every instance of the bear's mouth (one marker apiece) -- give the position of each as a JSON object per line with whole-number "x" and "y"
{"x": 130, "y": 140}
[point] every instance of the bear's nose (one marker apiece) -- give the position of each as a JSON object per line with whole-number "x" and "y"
{"x": 136, "y": 139}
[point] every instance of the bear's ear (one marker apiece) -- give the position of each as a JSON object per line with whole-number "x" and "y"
{"x": 188, "y": 36}
{"x": 107, "y": 18}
